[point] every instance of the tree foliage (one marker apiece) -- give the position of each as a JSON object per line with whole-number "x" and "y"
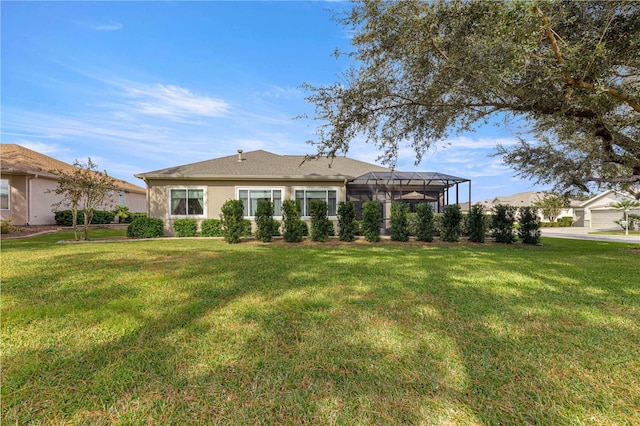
{"x": 425, "y": 69}
{"x": 84, "y": 188}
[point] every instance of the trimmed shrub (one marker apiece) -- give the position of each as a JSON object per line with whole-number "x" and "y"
{"x": 346, "y": 221}
{"x": 358, "y": 227}
{"x": 529, "y": 229}
{"x": 232, "y": 222}
{"x": 291, "y": 228}
{"x": 276, "y": 228}
{"x": 321, "y": 226}
{"x": 145, "y": 227}
{"x": 371, "y": 221}
{"x": 100, "y": 217}
{"x": 476, "y": 225}
{"x": 132, "y": 216}
{"x": 451, "y": 223}
{"x": 502, "y": 222}
{"x": 264, "y": 221}
{"x": 424, "y": 222}
{"x": 185, "y": 227}
{"x": 211, "y": 228}
{"x": 565, "y": 221}
{"x": 399, "y": 221}
{"x": 303, "y": 228}
{"x": 246, "y": 228}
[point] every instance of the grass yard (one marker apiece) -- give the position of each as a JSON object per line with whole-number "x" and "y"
{"x": 197, "y": 331}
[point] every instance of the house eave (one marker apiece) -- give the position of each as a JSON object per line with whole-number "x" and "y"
{"x": 339, "y": 178}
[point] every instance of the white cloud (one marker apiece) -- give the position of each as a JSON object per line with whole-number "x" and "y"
{"x": 110, "y": 25}
{"x": 171, "y": 102}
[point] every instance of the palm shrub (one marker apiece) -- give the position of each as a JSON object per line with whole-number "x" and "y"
{"x": 321, "y": 226}
{"x": 232, "y": 221}
{"x": 476, "y": 225}
{"x": 371, "y": 221}
{"x": 529, "y": 231}
{"x": 502, "y": 223}
{"x": 211, "y": 228}
{"x": 399, "y": 221}
{"x": 424, "y": 222}
{"x": 185, "y": 227}
{"x": 264, "y": 221}
{"x": 346, "y": 221}
{"x": 122, "y": 213}
{"x": 451, "y": 223}
{"x": 291, "y": 228}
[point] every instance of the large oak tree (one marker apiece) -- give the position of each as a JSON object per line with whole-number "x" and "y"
{"x": 425, "y": 69}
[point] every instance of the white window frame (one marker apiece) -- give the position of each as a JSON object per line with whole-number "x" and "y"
{"x": 261, "y": 188}
{"x": 8, "y": 193}
{"x": 318, "y": 188}
{"x": 187, "y": 188}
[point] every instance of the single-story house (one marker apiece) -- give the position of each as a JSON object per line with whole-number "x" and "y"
{"x": 199, "y": 190}
{"x": 27, "y": 187}
{"x": 598, "y": 213}
{"x": 524, "y": 199}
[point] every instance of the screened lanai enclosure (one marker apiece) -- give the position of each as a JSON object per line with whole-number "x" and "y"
{"x": 413, "y": 188}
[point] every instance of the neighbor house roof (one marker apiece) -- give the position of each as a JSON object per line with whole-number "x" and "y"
{"x": 521, "y": 199}
{"x": 18, "y": 159}
{"x": 266, "y": 165}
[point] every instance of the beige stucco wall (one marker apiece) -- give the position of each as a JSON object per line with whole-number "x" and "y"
{"x": 219, "y": 192}
{"x": 42, "y": 198}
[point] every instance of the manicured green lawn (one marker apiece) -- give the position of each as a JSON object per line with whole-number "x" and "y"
{"x": 198, "y": 331}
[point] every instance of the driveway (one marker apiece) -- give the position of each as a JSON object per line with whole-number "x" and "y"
{"x": 579, "y": 233}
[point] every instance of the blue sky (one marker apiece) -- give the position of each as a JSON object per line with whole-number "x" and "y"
{"x": 140, "y": 86}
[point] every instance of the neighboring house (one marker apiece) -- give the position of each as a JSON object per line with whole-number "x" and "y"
{"x": 27, "y": 187}
{"x": 523, "y": 199}
{"x": 597, "y": 212}
{"x": 200, "y": 189}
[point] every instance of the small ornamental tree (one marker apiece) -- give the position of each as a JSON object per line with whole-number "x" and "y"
{"x": 425, "y": 225}
{"x": 551, "y": 205}
{"x": 476, "y": 224}
{"x": 502, "y": 223}
{"x": 399, "y": 221}
{"x": 231, "y": 218}
{"x": 264, "y": 221}
{"x": 371, "y": 221}
{"x": 321, "y": 226}
{"x": 84, "y": 188}
{"x": 451, "y": 223}
{"x": 346, "y": 221}
{"x": 529, "y": 221}
{"x": 291, "y": 229}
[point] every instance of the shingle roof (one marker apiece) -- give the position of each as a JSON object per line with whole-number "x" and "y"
{"x": 264, "y": 164}
{"x": 18, "y": 159}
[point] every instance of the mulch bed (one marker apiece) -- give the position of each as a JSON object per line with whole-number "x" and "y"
{"x": 27, "y": 231}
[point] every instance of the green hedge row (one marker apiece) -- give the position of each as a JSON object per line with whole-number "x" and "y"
{"x": 100, "y": 217}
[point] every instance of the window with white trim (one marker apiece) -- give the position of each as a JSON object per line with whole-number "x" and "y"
{"x": 251, "y": 196}
{"x": 187, "y": 201}
{"x": 4, "y": 194}
{"x": 330, "y": 196}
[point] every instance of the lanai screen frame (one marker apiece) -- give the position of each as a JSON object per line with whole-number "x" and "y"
{"x": 394, "y": 182}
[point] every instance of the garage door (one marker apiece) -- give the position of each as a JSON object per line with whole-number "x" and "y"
{"x": 606, "y": 219}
